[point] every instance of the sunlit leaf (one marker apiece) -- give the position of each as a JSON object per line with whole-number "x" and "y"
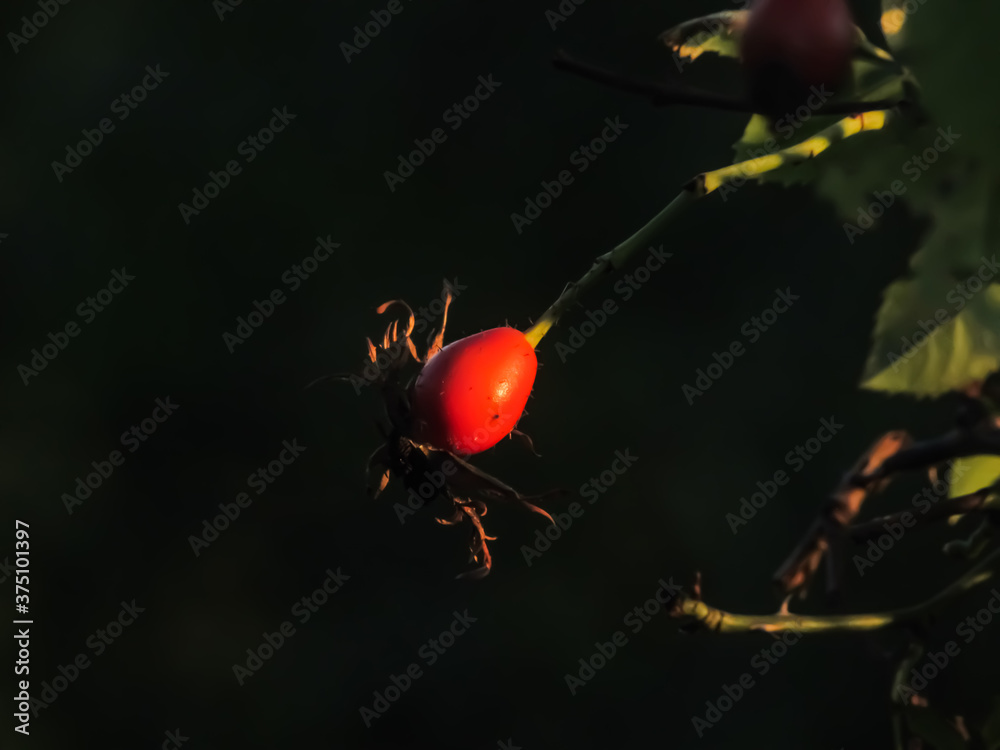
{"x": 940, "y": 329}
{"x": 926, "y": 345}
{"x": 973, "y": 474}
{"x": 719, "y": 33}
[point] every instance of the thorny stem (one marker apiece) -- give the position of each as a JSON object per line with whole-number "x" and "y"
{"x": 700, "y": 186}
{"x": 604, "y": 265}
{"x": 725, "y": 622}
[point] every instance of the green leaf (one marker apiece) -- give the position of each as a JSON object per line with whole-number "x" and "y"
{"x": 940, "y": 330}
{"x": 950, "y": 49}
{"x": 963, "y": 348}
{"x": 973, "y": 473}
{"x": 719, "y": 33}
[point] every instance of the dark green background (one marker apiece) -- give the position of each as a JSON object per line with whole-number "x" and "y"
{"x": 324, "y": 176}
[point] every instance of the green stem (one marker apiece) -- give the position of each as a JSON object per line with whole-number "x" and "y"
{"x": 726, "y": 622}
{"x": 605, "y": 264}
{"x": 700, "y": 186}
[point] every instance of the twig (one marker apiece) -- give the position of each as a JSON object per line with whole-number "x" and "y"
{"x": 660, "y": 94}
{"x": 720, "y": 621}
{"x": 604, "y": 265}
{"x": 798, "y": 569}
{"x": 956, "y": 444}
{"x": 663, "y": 95}
{"x": 810, "y": 148}
{"x": 699, "y": 187}
{"x": 981, "y": 501}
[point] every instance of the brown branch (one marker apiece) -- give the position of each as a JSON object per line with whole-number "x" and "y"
{"x": 659, "y": 94}
{"x": 797, "y": 571}
{"x": 892, "y": 454}
{"x": 956, "y": 444}
{"x": 975, "y": 502}
{"x": 662, "y": 95}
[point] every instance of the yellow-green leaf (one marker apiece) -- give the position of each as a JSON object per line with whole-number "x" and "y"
{"x": 973, "y": 473}
{"x": 719, "y": 33}
{"x": 930, "y": 339}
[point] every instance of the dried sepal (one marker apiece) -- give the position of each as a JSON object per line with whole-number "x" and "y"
{"x": 456, "y": 517}
{"x": 412, "y": 348}
{"x": 467, "y": 491}
{"x": 411, "y": 318}
{"x": 470, "y": 490}
{"x": 377, "y": 471}
{"x": 436, "y": 343}
{"x": 525, "y": 440}
{"x": 479, "y": 551}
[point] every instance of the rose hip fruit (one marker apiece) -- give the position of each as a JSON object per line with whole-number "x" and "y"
{"x": 471, "y": 393}
{"x": 791, "y": 46}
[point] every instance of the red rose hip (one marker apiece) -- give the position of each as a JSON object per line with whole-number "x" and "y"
{"x": 789, "y": 46}
{"x": 471, "y": 393}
